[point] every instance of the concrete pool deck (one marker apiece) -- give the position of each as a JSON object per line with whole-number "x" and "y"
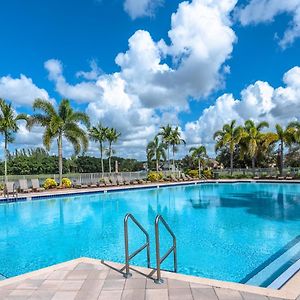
{"x": 86, "y": 278}
{"x": 79, "y": 191}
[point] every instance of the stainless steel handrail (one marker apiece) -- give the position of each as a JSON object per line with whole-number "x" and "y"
{"x": 128, "y": 256}
{"x": 160, "y": 260}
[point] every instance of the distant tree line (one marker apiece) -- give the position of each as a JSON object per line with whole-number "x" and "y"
{"x": 38, "y": 161}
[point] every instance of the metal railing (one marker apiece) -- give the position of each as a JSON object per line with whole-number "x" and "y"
{"x": 128, "y": 256}
{"x": 160, "y": 260}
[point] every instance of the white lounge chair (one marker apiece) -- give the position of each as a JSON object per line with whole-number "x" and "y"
{"x": 24, "y": 186}
{"x": 36, "y": 185}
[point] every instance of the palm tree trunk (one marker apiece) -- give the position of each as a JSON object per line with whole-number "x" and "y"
{"x": 253, "y": 165}
{"x": 156, "y": 165}
{"x": 168, "y": 157}
{"x": 231, "y": 162}
{"x": 60, "y": 159}
{"x": 199, "y": 167}
{"x": 173, "y": 150}
{"x": 101, "y": 156}
{"x": 109, "y": 158}
{"x": 281, "y": 158}
{"x": 5, "y": 158}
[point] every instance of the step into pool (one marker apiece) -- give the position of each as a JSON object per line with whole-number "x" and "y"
{"x": 224, "y": 231}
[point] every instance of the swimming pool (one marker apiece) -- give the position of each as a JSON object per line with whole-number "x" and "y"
{"x": 224, "y": 231}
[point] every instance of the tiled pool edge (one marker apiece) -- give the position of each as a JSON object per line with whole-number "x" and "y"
{"x": 291, "y": 291}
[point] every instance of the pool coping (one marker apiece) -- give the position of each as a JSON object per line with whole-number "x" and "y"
{"x": 290, "y": 291}
{"x": 87, "y": 191}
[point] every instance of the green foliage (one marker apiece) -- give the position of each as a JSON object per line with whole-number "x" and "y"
{"x": 207, "y": 173}
{"x": 155, "y": 176}
{"x": 66, "y": 183}
{"x": 50, "y": 183}
{"x": 193, "y": 173}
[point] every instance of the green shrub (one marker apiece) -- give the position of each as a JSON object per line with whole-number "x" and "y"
{"x": 50, "y": 183}
{"x": 155, "y": 176}
{"x": 194, "y": 173}
{"x": 207, "y": 173}
{"x": 66, "y": 183}
{"x": 1, "y": 186}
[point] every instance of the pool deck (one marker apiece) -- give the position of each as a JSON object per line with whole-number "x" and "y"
{"x": 86, "y": 278}
{"x": 73, "y": 191}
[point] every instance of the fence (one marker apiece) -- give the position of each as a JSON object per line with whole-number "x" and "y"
{"x": 256, "y": 171}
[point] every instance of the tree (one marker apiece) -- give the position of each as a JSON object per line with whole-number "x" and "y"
{"x": 229, "y": 136}
{"x": 156, "y": 149}
{"x": 254, "y": 140}
{"x": 61, "y": 123}
{"x": 284, "y": 137}
{"x": 174, "y": 141}
{"x": 98, "y": 134}
{"x": 8, "y": 127}
{"x": 198, "y": 153}
{"x": 112, "y": 136}
{"x": 165, "y": 133}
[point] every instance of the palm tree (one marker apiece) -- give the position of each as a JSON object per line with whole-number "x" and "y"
{"x": 284, "y": 137}
{"x": 165, "y": 133}
{"x": 8, "y": 127}
{"x": 112, "y": 136}
{"x": 294, "y": 128}
{"x": 61, "y": 123}
{"x": 98, "y": 134}
{"x": 174, "y": 141}
{"x": 156, "y": 149}
{"x": 199, "y": 153}
{"x": 229, "y": 136}
{"x": 253, "y": 139}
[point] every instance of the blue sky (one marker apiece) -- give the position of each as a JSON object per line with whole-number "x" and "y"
{"x": 248, "y": 46}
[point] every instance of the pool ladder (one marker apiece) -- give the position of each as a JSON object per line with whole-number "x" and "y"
{"x": 159, "y": 260}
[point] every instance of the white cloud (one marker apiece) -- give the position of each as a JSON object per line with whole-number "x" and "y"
{"x": 141, "y": 8}
{"x": 264, "y": 11}
{"x": 148, "y": 91}
{"x": 259, "y": 102}
{"x": 93, "y": 74}
{"x": 83, "y": 92}
{"x": 21, "y": 91}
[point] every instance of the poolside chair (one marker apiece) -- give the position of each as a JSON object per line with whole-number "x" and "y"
{"x": 24, "y": 186}
{"x": 36, "y": 185}
{"x": 106, "y": 181}
{"x": 173, "y": 178}
{"x": 184, "y": 177}
{"x": 280, "y": 177}
{"x": 92, "y": 184}
{"x": 101, "y": 183}
{"x": 113, "y": 180}
{"x": 121, "y": 181}
{"x": 9, "y": 189}
{"x": 134, "y": 181}
{"x": 79, "y": 185}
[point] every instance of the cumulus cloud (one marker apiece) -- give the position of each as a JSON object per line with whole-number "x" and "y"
{"x": 264, "y": 11}
{"x": 21, "y": 91}
{"x": 157, "y": 78}
{"x": 141, "y": 8}
{"x": 259, "y": 102}
{"x": 82, "y": 92}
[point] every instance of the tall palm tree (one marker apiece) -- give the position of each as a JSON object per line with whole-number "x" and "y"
{"x": 174, "y": 141}
{"x": 229, "y": 136}
{"x": 8, "y": 127}
{"x": 98, "y": 134}
{"x": 294, "y": 128}
{"x": 112, "y": 136}
{"x": 156, "y": 149}
{"x": 253, "y": 139}
{"x": 61, "y": 123}
{"x": 165, "y": 133}
{"x": 200, "y": 154}
{"x": 284, "y": 137}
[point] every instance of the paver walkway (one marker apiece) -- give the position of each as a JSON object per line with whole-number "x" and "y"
{"x": 91, "y": 279}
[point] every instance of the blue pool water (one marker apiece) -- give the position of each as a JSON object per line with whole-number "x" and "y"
{"x": 224, "y": 231}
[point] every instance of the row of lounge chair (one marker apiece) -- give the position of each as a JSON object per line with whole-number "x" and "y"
{"x": 274, "y": 177}
{"x": 10, "y": 187}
